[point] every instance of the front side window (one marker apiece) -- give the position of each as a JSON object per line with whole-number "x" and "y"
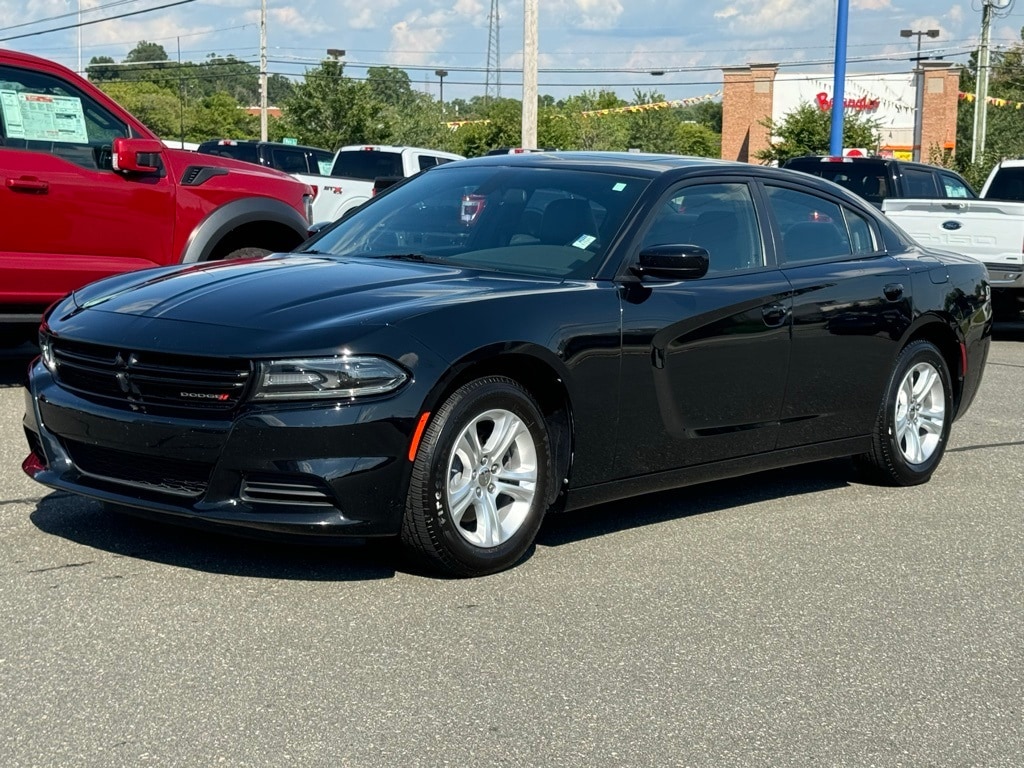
{"x": 42, "y": 113}
{"x": 955, "y": 187}
{"x": 813, "y": 228}
{"x": 717, "y": 217}
{"x": 542, "y": 222}
{"x": 320, "y": 162}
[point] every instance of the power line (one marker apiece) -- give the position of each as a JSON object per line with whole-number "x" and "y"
{"x": 68, "y": 15}
{"x": 94, "y": 21}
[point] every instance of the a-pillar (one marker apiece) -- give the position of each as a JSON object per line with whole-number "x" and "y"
{"x": 747, "y": 96}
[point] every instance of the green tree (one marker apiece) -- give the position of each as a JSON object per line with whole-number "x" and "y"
{"x": 595, "y": 131}
{"x": 157, "y": 107}
{"x": 504, "y": 128}
{"x": 329, "y": 109}
{"x": 101, "y": 68}
{"x": 698, "y": 140}
{"x": 390, "y": 86}
{"x": 219, "y": 116}
{"x": 807, "y": 131}
{"x": 146, "y": 52}
{"x": 651, "y": 130}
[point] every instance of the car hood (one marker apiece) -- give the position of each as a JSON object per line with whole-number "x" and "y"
{"x": 297, "y": 292}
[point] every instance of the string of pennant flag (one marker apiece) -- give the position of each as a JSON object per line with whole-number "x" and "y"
{"x": 995, "y": 102}
{"x": 671, "y": 104}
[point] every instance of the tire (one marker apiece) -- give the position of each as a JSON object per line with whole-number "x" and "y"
{"x": 913, "y": 424}
{"x": 470, "y": 512}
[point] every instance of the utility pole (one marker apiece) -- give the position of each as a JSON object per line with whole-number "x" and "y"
{"x": 263, "y": 70}
{"x": 529, "y": 136}
{"x": 981, "y": 87}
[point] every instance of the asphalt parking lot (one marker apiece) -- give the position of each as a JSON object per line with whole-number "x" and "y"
{"x": 792, "y": 618}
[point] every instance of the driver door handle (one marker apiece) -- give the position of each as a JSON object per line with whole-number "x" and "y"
{"x": 774, "y": 314}
{"x": 28, "y": 184}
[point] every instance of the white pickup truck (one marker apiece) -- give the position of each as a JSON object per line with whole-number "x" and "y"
{"x": 356, "y": 167}
{"x": 989, "y": 229}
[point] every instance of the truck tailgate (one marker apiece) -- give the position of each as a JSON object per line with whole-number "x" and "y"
{"x": 991, "y": 231}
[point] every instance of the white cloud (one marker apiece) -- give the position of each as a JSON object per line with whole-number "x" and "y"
{"x": 871, "y": 5}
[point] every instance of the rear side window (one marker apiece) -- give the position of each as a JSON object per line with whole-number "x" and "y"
{"x": 288, "y": 160}
{"x": 245, "y": 152}
{"x": 812, "y": 228}
{"x": 920, "y": 183}
{"x": 367, "y": 164}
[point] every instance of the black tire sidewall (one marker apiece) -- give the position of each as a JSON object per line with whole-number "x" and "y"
{"x": 903, "y": 471}
{"x": 465, "y": 404}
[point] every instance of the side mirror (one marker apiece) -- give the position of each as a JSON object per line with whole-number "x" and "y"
{"x": 317, "y": 227}
{"x": 672, "y": 262}
{"x": 137, "y": 155}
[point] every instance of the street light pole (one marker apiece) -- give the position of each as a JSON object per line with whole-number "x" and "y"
{"x": 441, "y": 75}
{"x": 918, "y": 85}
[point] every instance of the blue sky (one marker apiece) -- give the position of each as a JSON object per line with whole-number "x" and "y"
{"x": 584, "y": 44}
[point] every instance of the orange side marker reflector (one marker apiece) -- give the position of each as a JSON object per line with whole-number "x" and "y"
{"x": 418, "y": 434}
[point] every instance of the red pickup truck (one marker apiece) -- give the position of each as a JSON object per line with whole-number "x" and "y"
{"x": 87, "y": 191}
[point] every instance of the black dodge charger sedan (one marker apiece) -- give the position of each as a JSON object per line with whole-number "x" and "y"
{"x": 504, "y": 336}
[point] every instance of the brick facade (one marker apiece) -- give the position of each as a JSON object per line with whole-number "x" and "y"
{"x": 747, "y": 101}
{"x": 748, "y": 94}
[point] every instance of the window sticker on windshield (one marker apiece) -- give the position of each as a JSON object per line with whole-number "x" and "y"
{"x": 325, "y": 166}
{"x": 583, "y": 241}
{"x": 41, "y": 117}
{"x": 618, "y": 186}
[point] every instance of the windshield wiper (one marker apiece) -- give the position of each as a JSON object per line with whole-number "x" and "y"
{"x": 404, "y": 257}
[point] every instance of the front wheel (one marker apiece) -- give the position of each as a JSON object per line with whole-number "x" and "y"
{"x": 481, "y": 480}
{"x": 914, "y": 421}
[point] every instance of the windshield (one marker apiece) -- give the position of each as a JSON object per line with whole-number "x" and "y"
{"x": 531, "y": 221}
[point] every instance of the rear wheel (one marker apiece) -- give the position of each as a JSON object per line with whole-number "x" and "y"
{"x": 913, "y": 424}
{"x": 481, "y": 480}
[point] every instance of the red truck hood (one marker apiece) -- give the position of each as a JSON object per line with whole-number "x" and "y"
{"x": 178, "y": 160}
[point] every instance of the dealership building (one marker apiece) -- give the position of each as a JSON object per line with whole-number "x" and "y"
{"x": 753, "y": 94}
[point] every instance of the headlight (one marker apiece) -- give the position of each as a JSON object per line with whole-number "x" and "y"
{"x": 327, "y": 377}
{"x": 46, "y": 350}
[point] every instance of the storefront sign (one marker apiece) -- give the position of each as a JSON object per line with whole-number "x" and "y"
{"x": 863, "y": 104}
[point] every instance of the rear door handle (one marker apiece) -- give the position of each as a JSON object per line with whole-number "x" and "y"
{"x": 774, "y": 314}
{"x": 28, "y": 184}
{"x": 893, "y": 291}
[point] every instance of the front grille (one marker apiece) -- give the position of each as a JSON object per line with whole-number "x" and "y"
{"x": 173, "y": 476}
{"x": 283, "y": 491}
{"x": 151, "y": 382}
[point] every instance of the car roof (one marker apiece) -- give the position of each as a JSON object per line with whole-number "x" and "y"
{"x": 676, "y": 167}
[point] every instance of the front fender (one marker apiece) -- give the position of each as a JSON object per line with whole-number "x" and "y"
{"x": 220, "y": 222}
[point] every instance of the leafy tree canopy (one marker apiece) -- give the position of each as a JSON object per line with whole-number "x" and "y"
{"x": 807, "y": 131}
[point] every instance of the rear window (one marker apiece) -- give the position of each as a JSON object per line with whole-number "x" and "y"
{"x": 367, "y": 164}
{"x": 246, "y": 152}
{"x": 868, "y": 180}
{"x": 1008, "y": 184}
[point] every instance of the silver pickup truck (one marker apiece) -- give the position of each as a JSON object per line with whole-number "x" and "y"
{"x": 989, "y": 229}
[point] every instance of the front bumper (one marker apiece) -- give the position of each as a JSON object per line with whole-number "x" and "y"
{"x": 321, "y": 469}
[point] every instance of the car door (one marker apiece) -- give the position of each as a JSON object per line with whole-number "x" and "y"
{"x": 69, "y": 218}
{"x": 851, "y": 307}
{"x": 705, "y": 360}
